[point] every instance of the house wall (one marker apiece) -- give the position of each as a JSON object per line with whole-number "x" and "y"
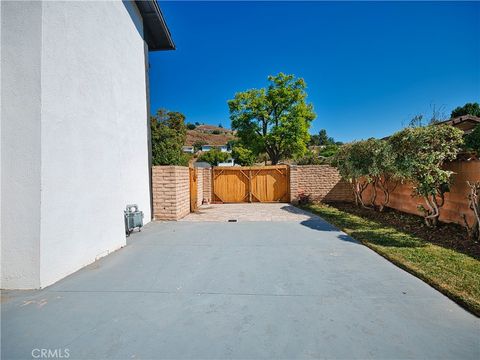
{"x": 456, "y": 203}
{"x": 320, "y": 182}
{"x": 86, "y": 89}
{"x": 21, "y": 34}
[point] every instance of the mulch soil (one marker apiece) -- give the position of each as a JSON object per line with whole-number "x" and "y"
{"x": 447, "y": 235}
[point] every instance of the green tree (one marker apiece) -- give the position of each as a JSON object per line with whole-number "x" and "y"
{"x": 328, "y": 150}
{"x": 168, "y": 134}
{"x": 323, "y": 137}
{"x": 243, "y": 156}
{"x": 191, "y": 126}
{"x": 420, "y": 154}
{"x": 274, "y": 120}
{"x": 353, "y": 161}
{"x": 368, "y": 162}
{"x": 472, "y": 140}
{"x": 198, "y": 144}
{"x": 213, "y": 157}
{"x": 467, "y": 109}
{"x": 309, "y": 158}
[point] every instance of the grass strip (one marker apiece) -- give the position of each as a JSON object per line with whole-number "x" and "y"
{"x": 453, "y": 273}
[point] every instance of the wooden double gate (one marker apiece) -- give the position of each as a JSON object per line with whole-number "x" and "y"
{"x": 251, "y": 184}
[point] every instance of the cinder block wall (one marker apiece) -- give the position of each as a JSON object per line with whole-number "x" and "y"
{"x": 171, "y": 192}
{"x": 320, "y": 182}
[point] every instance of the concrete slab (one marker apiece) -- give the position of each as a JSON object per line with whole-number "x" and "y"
{"x": 218, "y": 290}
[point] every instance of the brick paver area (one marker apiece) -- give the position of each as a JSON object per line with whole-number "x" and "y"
{"x": 249, "y": 212}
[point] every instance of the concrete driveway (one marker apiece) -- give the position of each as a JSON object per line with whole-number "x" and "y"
{"x": 250, "y": 290}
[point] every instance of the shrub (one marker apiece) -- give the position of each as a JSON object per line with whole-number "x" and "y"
{"x": 472, "y": 140}
{"x": 213, "y": 157}
{"x": 310, "y": 158}
{"x": 329, "y": 150}
{"x": 216, "y": 132}
{"x": 198, "y": 145}
{"x": 168, "y": 133}
{"x": 243, "y": 156}
{"x": 191, "y": 126}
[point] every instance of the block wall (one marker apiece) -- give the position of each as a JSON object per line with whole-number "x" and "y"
{"x": 456, "y": 203}
{"x": 320, "y": 182}
{"x": 171, "y": 192}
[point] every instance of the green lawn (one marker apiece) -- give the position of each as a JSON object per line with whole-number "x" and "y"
{"x": 453, "y": 273}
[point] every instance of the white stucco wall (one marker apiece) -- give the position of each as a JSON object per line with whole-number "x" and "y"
{"x": 93, "y": 123}
{"x": 20, "y": 144}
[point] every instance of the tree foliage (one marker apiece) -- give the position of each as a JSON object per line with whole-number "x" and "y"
{"x": 310, "y": 158}
{"x": 274, "y": 120}
{"x": 354, "y": 162}
{"x": 168, "y": 133}
{"x": 198, "y": 145}
{"x": 214, "y": 157}
{"x": 420, "y": 154}
{"x": 242, "y": 155}
{"x": 472, "y": 140}
{"x": 467, "y": 109}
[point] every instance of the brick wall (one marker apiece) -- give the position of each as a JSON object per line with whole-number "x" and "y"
{"x": 456, "y": 202}
{"x": 200, "y": 172}
{"x": 171, "y": 192}
{"x": 207, "y": 185}
{"x": 321, "y": 182}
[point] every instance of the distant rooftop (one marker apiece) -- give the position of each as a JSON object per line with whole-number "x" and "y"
{"x": 466, "y": 123}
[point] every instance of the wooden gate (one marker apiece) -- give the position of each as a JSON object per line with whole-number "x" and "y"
{"x": 193, "y": 189}
{"x": 251, "y": 184}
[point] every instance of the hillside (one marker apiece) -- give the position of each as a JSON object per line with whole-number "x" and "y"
{"x": 204, "y": 133}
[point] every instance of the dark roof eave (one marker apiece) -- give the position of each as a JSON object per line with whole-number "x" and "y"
{"x": 156, "y": 33}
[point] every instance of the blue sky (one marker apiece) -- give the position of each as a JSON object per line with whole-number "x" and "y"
{"x": 369, "y": 66}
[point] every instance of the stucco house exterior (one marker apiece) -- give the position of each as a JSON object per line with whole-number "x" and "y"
{"x": 74, "y": 131}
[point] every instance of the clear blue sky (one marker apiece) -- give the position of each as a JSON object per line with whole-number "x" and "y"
{"x": 369, "y": 66}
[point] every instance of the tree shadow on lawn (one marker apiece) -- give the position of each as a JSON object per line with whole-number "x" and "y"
{"x": 357, "y": 228}
{"x": 360, "y": 229}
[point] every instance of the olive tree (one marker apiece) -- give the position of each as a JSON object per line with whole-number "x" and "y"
{"x": 420, "y": 154}
{"x": 369, "y": 162}
{"x": 474, "y": 205}
{"x": 353, "y": 163}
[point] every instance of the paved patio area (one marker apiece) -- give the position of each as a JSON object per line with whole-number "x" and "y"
{"x": 248, "y": 212}
{"x": 247, "y": 290}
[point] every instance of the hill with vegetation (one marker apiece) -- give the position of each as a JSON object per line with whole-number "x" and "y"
{"x": 208, "y": 135}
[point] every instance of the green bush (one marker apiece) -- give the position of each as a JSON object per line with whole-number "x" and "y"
{"x": 213, "y": 157}
{"x": 191, "y": 126}
{"x": 243, "y": 156}
{"x": 472, "y": 140}
{"x": 216, "y": 132}
{"x": 168, "y": 133}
